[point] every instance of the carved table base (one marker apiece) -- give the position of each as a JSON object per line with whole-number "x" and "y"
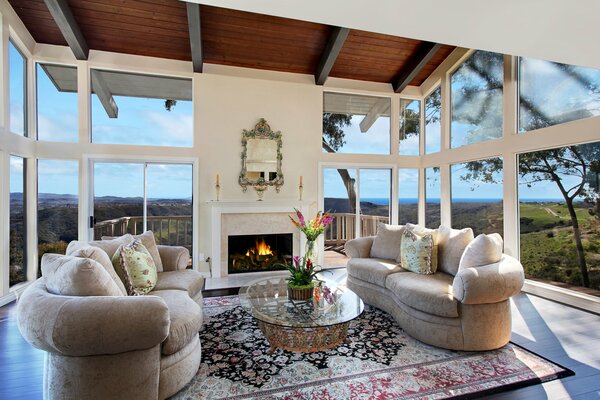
{"x": 304, "y": 340}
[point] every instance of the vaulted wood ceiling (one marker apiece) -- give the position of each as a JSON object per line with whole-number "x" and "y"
{"x": 159, "y": 28}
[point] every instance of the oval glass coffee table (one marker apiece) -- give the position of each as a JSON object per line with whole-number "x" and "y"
{"x": 302, "y": 326}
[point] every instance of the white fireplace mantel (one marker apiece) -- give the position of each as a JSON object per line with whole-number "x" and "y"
{"x": 218, "y": 208}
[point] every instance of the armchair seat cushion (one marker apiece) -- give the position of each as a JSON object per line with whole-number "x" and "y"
{"x": 185, "y": 317}
{"x": 428, "y": 293}
{"x": 373, "y": 270}
{"x": 188, "y": 280}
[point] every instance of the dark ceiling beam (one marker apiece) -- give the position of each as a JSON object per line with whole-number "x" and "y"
{"x": 193, "y": 15}
{"x": 414, "y": 65}
{"x": 330, "y": 54}
{"x": 69, "y": 28}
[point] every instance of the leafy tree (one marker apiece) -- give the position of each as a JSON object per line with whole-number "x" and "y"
{"x": 572, "y": 163}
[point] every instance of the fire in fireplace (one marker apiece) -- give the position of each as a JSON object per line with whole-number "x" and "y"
{"x": 253, "y": 253}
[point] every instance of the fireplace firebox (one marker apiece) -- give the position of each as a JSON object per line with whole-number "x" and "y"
{"x": 255, "y": 253}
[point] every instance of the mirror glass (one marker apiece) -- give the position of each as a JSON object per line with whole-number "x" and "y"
{"x": 261, "y": 158}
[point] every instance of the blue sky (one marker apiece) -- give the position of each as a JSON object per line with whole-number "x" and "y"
{"x": 16, "y": 91}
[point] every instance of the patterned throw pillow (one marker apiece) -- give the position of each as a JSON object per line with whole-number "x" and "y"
{"x": 135, "y": 267}
{"x": 418, "y": 253}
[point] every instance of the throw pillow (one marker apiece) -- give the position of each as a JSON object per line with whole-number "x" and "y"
{"x": 84, "y": 250}
{"x": 149, "y": 242}
{"x": 74, "y": 276}
{"x": 418, "y": 253}
{"x": 135, "y": 267}
{"x": 387, "y": 242}
{"x": 451, "y": 246}
{"x": 109, "y": 246}
{"x": 421, "y": 231}
{"x": 483, "y": 250}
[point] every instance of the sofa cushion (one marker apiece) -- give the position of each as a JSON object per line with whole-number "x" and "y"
{"x": 428, "y": 293}
{"x": 84, "y": 250}
{"x": 74, "y": 276}
{"x": 484, "y": 250}
{"x": 386, "y": 244}
{"x": 372, "y": 270}
{"x": 418, "y": 253}
{"x": 188, "y": 280}
{"x": 451, "y": 246}
{"x": 185, "y": 316}
{"x": 135, "y": 267}
{"x": 148, "y": 240}
{"x": 109, "y": 246}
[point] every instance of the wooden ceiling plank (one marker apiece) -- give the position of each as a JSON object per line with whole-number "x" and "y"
{"x": 330, "y": 53}
{"x": 68, "y": 26}
{"x": 193, "y": 15}
{"x": 414, "y": 65}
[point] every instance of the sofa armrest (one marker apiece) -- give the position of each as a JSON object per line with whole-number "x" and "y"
{"x": 360, "y": 247}
{"x": 491, "y": 283}
{"x": 91, "y": 325}
{"x": 174, "y": 258}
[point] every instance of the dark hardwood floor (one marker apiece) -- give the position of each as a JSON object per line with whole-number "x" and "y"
{"x": 563, "y": 334}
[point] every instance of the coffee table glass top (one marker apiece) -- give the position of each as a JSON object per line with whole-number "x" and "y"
{"x": 267, "y": 300}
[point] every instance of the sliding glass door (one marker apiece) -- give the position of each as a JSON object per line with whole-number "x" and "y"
{"x": 134, "y": 197}
{"x": 358, "y": 198}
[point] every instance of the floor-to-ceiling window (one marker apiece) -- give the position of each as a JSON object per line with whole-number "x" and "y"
{"x": 359, "y": 199}
{"x": 18, "y": 222}
{"x": 148, "y": 196}
{"x": 477, "y": 196}
{"x": 559, "y": 207}
{"x": 58, "y": 204}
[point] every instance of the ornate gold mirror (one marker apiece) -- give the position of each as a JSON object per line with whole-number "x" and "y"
{"x": 261, "y": 159}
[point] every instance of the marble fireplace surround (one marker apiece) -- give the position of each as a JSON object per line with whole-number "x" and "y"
{"x": 250, "y": 219}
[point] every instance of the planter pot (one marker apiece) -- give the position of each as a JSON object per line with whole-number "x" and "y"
{"x": 300, "y": 293}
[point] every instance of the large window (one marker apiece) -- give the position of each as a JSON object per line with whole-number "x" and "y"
{"x": 17, "y": 240}
{"x": 433, "y": 129}
{"x": 359, "y": 199}
{"x": 552, "y": 93}
{"x": 432, "y": 197}
{"x": 477, "y": 196}
{"x": 17, "y": 71}
{"x": 410, "y": 127}
{"x": 408, "y": 196}
{"x": 148, "y": 196}
{"x": 356, "y": 124}
{"x": 141, "y": 109}
{"x": 559, "y": 208}
{"x": 58, "y": 201}
{"x": 476, "y": 98}
{"x": 57, "y": 103}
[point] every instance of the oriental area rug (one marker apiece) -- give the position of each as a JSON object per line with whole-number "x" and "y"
{"x": 379, "y": 361}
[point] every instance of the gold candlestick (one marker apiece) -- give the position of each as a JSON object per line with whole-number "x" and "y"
{"x": 218, "y": 187}
{"x": 300, "y": 187}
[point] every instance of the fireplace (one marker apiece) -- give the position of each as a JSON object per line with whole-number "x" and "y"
{"x": 257, "y": 253}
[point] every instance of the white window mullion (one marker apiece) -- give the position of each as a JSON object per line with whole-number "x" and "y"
{"x": 145, "y": 211}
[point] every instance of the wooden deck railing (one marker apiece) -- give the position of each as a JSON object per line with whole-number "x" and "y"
{"x": 343, "y": 228}
{"x": 173, "y": 230}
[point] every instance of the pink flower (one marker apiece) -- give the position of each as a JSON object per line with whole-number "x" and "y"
{"x": 297, "y": 261}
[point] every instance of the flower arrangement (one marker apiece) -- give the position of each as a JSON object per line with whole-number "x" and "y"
{"x": 302, "y": 271}
{"x": 313, "y": 228}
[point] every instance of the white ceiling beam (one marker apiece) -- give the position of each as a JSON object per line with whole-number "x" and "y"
{"x": 104, "y": 94}
{"x": 381, "y": 107}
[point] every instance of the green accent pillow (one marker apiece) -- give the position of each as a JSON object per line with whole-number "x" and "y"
{"x": 135, "y": 267}
{"x": 418, "y": 253}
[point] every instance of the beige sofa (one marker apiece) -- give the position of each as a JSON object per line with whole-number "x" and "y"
{"x": 116, "y": 347}
{"x": 469, "y": 311}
